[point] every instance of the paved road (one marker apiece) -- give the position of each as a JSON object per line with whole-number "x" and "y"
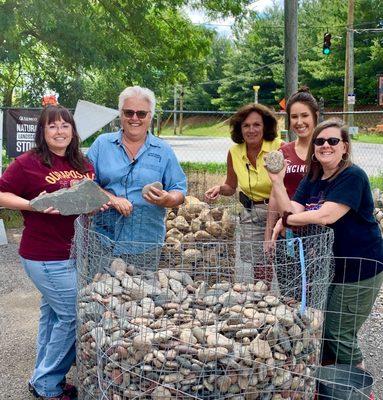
{"x": 368, "y": 156}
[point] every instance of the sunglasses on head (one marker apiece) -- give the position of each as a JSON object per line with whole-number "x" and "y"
{"x": 141, "y": 114}
{"x": 332, "y": 141}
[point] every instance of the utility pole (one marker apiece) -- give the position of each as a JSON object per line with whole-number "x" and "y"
{"x": 181, "y": 107}
{"x": 348, "y": 102}
{"x": 175, "y": 110}
{"x": 291, "y": 52}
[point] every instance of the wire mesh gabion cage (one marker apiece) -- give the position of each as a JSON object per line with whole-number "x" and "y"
{"x": 162, "y": 321}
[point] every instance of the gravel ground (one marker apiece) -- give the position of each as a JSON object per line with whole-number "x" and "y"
{"x": 18, "y": 326}
{"x": 19, "y": 313}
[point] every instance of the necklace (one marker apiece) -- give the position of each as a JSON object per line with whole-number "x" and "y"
{"x": 131, "y": 152}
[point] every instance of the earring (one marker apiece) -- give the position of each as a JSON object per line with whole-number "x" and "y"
{"x": 313, "y": 158}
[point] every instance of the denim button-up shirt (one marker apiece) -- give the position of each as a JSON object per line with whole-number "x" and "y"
{"x": 118, "y": 174}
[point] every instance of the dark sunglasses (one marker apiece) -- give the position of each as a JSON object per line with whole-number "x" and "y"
{"x": 332, "y": 141}
{"x": 141, "y": 114}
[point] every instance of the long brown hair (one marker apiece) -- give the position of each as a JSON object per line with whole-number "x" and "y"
{"x": 75, "y": 157}
{"x": 304, "y": 96}
{"x": 268, "y": 117}
{"x": 314, "y": 167}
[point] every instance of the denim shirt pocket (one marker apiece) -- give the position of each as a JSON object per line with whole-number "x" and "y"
{"x": 149, "y": 173}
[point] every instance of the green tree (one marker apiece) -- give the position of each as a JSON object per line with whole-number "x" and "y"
{"x": 256, "y": 60}
{"x": 140, "y": 41}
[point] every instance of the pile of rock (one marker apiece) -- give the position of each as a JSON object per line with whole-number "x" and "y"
{"x": 200, "y": 238}
{"x": 167, "y": 335}
{"x": 378, "y": 203}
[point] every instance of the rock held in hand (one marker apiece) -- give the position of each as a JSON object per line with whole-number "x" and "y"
{"x": 82, "y": 198}
{"x": 146, "y": 188}
{"x": 274, "y": 161}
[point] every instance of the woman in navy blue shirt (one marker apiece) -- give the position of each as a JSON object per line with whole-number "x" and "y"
{"x": 335, "y": 192}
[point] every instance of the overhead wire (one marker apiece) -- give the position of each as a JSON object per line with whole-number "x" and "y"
{"x": 246, "y": 75}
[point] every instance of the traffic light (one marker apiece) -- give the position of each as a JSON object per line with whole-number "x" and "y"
{"x": 326, "y": 44}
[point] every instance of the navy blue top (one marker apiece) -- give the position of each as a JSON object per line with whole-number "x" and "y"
{"x": 356, "y": 235}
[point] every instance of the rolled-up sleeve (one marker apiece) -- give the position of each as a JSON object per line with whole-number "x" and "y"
{"x": 174, "y": 176}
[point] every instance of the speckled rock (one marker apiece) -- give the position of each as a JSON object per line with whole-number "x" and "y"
{"x": 274, "y": 161}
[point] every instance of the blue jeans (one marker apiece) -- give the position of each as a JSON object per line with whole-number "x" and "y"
{"x": 56, "y": 281}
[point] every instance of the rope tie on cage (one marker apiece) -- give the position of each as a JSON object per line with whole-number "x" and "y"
{"x": 290, "y": 250}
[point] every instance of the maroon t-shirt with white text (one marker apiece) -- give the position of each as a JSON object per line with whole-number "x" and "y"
{"x": 46, "y": 237}
{"x": 295, "y": 170}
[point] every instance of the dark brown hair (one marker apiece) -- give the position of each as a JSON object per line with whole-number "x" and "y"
{"x": 314, "y": 167}
{"x": 304, "y": 96}
{"x": 268, "y": 117}
{"x": 51, "y": 114}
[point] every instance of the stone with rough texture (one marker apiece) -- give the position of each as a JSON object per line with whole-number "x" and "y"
{"x": 82, "y": 198}
{"x": 274, "y": 161}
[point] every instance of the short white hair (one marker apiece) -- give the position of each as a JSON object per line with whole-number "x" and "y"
{"x": 140, "y": 92}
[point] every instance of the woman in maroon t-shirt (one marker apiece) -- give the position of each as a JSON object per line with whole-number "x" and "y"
{"x": 55, "y": 163}
{"x": 302, "y": 112}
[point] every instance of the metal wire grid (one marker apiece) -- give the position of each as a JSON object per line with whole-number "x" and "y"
{"x": 197, "y": 334}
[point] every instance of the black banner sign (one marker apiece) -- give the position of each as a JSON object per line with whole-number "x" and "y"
{"x": 20, "y": 128}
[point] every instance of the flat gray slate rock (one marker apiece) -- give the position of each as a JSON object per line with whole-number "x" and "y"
{"x": 83, "y": 197}
{"x": 157, "y": 185}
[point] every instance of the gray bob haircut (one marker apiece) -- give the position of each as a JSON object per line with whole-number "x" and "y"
{"x": 140, "y": 92}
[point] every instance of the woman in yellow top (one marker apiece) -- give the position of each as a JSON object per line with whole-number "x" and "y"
{"x": 254, "y": 130}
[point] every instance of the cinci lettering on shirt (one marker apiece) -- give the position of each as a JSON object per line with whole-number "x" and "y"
{"x": 291, "y": 169}
{"x": 55, "y": 176}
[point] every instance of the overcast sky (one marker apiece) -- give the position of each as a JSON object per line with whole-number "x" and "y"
{"x": 223, "y": 25}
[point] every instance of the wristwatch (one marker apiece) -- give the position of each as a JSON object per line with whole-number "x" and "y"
{"x": 285, "y": 215}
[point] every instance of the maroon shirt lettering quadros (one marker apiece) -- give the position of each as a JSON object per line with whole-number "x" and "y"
{"x": 46, "y": 237}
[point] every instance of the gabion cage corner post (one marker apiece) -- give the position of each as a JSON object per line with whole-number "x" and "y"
{"x": 189, "y": 329}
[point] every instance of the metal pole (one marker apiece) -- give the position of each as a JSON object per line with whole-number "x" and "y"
{"x": 349, "y": 65}
{"x": 181, "y": 107}
{"x": 159, "y": 121}
{"x": 175, "y": 111}
{"x": 321, "y": 109}
{"x": 291, "y": 51}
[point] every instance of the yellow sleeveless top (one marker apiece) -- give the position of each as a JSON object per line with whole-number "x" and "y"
{"x": 254, "y": 182}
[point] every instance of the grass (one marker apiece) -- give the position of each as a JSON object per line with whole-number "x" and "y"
{"x": 211, "y": 129}
{"x": 368, "y": 138}
{"x": 210, "y": 168}
{"x": 12, "y": 218}
{"x": 376, "y": 182}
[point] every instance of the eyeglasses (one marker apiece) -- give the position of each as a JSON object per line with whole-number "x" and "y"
{"x": 332, "y": 141}
{"x": 141, "y": 114}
